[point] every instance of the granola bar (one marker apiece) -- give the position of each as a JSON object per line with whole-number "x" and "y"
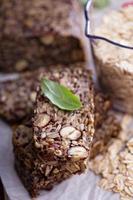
{"x": 33, "y": 171}
{"x": 40, "y": 170}
{"x": 31, "y": 167}
{"x": 107, "y": 125}
{"x": 39, "y": 33}
{"x": 110, "y": 128}
{"x": 113, "y": 62}
{"x": 17, "y": 97}
{"x": 61, "y": 134}
{"x": 57, "y": 143}
{"x": 102, "y": 106}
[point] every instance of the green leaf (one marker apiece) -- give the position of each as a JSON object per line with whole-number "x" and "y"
{"x": 101, "y": 3}
{"x": 60, "y": 95}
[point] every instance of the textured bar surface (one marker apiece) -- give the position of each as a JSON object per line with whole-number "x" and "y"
{"x": 38, "y": 174}
{"x": 107, "y": 125}
{"x": 102, "y": 106}
{"x": 62, "y": 134}
{"x": 35, "y": 173}
{"x": 110, "y": 128}
{"x": 39, "y": 33}
{"x": 57, "y": 143}
{"x": 17, "y": 97}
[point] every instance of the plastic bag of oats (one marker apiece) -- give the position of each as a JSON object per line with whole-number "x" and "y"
{"x": 111, "y": 36}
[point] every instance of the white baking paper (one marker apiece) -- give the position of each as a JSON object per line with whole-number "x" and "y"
{"x": 79, "y": 187}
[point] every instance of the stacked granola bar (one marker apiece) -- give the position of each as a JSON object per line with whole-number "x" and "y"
{"x": 57, "y": 143}
{"x": 107, "y": 125}
{"x": 32, "y": 165}
{"x": 17, "y": 96}
{"x": 110, "y": 128}
{"x": 27, "y": 142}
{"x": 39, "y": 33}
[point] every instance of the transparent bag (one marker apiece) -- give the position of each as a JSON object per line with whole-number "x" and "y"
{"x": 90, "y": 23}
{"x": 111, "y": 37}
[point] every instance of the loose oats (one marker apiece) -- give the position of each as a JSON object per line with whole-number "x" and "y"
{"x": 115, "y": 166}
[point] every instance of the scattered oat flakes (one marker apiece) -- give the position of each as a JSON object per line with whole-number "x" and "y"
{"x": 116, "y": 167}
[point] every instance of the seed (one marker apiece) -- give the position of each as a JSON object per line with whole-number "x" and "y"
{"x": 42, "y": 120}
{"x": 52, "y": 135}
{"x": 43, "y": 135}
{"x": 21, "y": 65}
{"x": 78, "y": 152}
{"x": 70, "y": 133}
{"x": 47, "y": 40}
{"x": 33, "y": 96}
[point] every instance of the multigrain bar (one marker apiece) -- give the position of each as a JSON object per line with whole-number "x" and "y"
{"x": 110, "y": 128}
{"x": 38, "y": 171}
{"x": 63, "y": 135}
{"x": 37, "y": 174}
{"x": 107, "y": 125}
{"x": 39, "y": 33}
{"x": 17, "y": 96}
{"x": 17, "y": 99}
{"x": 57, "y": 143}
{"x": 102, "y": 106}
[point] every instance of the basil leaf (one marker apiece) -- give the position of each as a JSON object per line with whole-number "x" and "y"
{"x": 60, "y": 95}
